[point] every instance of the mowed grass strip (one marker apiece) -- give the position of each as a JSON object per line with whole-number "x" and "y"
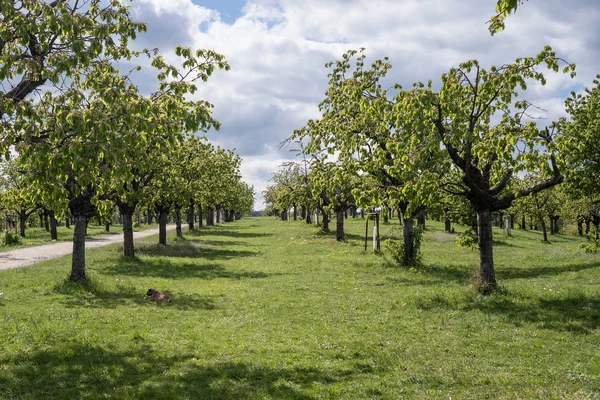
{"x": 266, "y": 309}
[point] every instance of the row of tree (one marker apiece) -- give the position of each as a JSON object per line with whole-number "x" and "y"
{"x": 84, "y": 135}
{"x": 471, "y": 138}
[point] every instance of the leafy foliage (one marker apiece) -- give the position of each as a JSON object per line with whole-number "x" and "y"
{"x": 9, "y": 238}
{"x": 503, "y": 9}
{"x": 467, "y": 239}
{"x": 396, "y": 250}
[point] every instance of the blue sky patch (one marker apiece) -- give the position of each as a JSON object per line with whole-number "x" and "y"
{"x": 230, "y": 10}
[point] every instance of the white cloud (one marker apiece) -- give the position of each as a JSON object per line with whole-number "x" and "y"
{"x": 277, "y": 50}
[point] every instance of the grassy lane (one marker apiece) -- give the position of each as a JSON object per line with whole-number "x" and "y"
{"x": 264, "y": 309}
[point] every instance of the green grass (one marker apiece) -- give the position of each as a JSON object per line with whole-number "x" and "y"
{"x": 265, "y": 309}
{"x": 35, "y": 236}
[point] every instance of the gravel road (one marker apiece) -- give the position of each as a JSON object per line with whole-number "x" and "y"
{"x": 31, "y": 255}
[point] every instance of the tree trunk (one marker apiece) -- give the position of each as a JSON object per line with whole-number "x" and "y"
{"x": 523, "y": 223}
{"x": 487, "y": 276}
{"x": 545, "y": 233}
{"x": 295, "y": 212}
{"x": 210, "y": 216}
{"x": 53, "y": 224}
{"x": 127, "y": 211}
{"x": 325, "y": 221}
{"x": 530, "y": 223}
{"x": 46, "y": 222}
{"x": 107, "y": 226}
{"x": 554, "y": 221}
{"x": 128, "y": 246}
{"x": 308, "y": 215}
{"x": 22, "y": 220}
{"x": 200, "y": 212}
{"x": 339, "y": 226}
{"x": 190, "y": 215}
{"x": 162, "y": 226}
{"x": 231, "y": 216}
{"x": 78, "y": 258}
{"x": 421, "y": 218}
{"x": 68, "y": 221}
{"x": 580, "y": 227}
{"x": 407, "y": 237}
{"x": 178, "y": 222}
{"x": 447, "y": 225}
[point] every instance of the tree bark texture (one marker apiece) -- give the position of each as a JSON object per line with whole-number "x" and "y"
{"x": 325, "y": 221}
{"x": 544, "y": 230}
{"x": 210, "y": 216}
{"x": 190, "y": 215}
{"x": 487, "y": 275}
{"x": 178, "y": 222}
{"x": 53, "y": 224}
{"x": 407, "y": 238}
{"x": 162, "y": 226}
{"x": 78, "y": 258}
{"x": 22, "y": 220}
{"x": 128, "y": 246}
{"x": 339, "y": 226}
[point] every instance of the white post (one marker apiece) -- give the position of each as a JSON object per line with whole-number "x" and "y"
{"x": 375, "y": 238}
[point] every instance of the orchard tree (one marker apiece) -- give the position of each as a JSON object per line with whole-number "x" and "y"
{"x": 167, "y": 191}
{"x": 332, "y": 186}
{"x": 18, "y": 194}
{"x": 197, "y": 153}
{"x": 83, "y": 137}
{"x": 290, "y": 184}
{"x": 482, "y": 130}
{"x": 361, "y": 128}
{"x": 581, "y": 141}
{"x": 239, "y": 200}
{"x": 223, "y": 174}
{"x": 46, "y": 43}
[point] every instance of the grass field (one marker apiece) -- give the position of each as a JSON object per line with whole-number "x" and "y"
{"x": 265, "y": 309}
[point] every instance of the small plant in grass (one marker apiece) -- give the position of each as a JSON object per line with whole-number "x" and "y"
{"x": 592, "y": 248}
{"x": 467, "y": 239}
{"x": 10, "y": 239}
{"x": 395, "y": 250}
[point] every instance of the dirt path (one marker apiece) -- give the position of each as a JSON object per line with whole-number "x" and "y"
{"x": 31, "y": 255}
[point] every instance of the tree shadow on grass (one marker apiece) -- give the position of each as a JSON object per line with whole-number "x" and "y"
{"x": 91, "y": 295}
{"x": 434, "y": 275}
{"x": 503, "y": 243}
{"x": 225, "y": 231}
{"x": 534, "y": 272}
{"x": 76, "y": 371}
{"x": 164, "y": 268}
{"x": 575, "y": 313}
{"x": 191, "y": 250}
{"x": 222, "y": 243}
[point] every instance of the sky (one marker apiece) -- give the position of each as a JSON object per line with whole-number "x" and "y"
{"x": 278, "y": 49}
